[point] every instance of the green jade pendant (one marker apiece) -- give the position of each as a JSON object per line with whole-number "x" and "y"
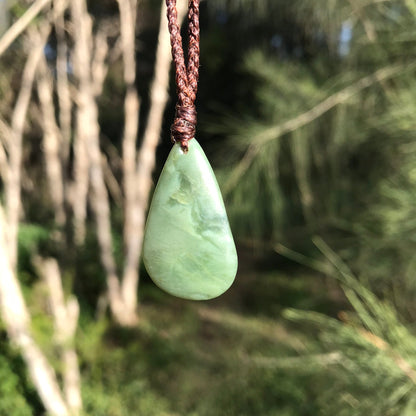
{"x": 188, "y": 248}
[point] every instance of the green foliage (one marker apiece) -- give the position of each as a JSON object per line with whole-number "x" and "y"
{"x": 327, "y": 144}
{"x": 321, "y": 152}
{"x": 318, "y": 143}
{"x": 113, "y": 382}
{"x": 188, "y": 360}
{"x": 135, "y": 397}
{"x": 31, "y": 239}
{"x": 367, "y": 359}
{"x": 13, "y": 401}
{"x": 387, "y": 230}
{"x": 18, "y": 397}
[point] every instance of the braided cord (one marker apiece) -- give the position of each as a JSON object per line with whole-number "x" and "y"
{"x": 186, "y": 76}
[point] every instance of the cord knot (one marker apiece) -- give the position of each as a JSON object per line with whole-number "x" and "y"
{"x": 184, "y": 126}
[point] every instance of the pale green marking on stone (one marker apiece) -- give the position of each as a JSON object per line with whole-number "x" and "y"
{"x": 188, "y": 248}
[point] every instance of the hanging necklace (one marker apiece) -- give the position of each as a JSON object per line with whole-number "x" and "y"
{"x": 188, "y": 248}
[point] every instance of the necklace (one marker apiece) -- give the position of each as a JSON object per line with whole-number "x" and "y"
{"x": 188, "y": 248}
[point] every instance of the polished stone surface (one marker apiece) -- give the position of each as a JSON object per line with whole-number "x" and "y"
{"x": 188, "y": 247}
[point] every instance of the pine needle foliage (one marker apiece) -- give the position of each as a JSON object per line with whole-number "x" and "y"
{"x": 327, "y": 144}
{"x": 373, "y": 353}
{"x": 327, "y": 147}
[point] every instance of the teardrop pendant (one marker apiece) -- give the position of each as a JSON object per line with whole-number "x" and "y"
{"x": 188, "y": 247}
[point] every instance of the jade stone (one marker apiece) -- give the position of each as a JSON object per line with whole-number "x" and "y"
{"x": 188, "y": 248}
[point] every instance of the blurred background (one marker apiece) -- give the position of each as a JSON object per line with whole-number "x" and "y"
{"x": 306, "y": 110}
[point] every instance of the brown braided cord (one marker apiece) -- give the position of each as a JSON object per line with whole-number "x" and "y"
{"x": 193, "y": 54}
{"x": 186, "y": 77}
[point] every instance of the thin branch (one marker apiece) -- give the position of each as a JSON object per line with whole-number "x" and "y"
{"x": 62, "y": 84}
{"x": 65, "y": 315}
{"x": 91, "y": 85}
{"x": 88, "y": 131}
{"x": 90, "y": 71}
{"x": 5, "y": 133}
{"x": 146, "y": 157}
{"x": 275, "y": 132}
{"x": 128, "y": 35}
{"x": 77, "y": 193}
{"x": 131, "y": 110}
{"x": 13, "y": 307}
{"x": 86, "y": 122}
{"x": 367, "y": 23}
{"x": 300, "y": 258}
{"x": 99, "y": 68}
{"x": 16, "y": 318}
{"x": 13, "y": 182}
{"x": 52, "y": 141}
{"x": 42, "y": 375}
{"x": 3, "y": 162}
{"x": 131, "y": 123}
{"x": 112, "y": 183}
{"x": 21, "y": 24}
{"x": 321, "y": 360}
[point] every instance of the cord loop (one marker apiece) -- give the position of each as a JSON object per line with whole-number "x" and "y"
{"x": 186, "y": 77}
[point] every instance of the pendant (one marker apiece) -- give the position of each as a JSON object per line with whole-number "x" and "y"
{"x": 188, "y": 248}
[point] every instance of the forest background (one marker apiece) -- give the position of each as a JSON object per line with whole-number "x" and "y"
{"x": 306, "y": 110}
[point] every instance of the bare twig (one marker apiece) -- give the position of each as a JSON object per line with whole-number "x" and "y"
{"x": 131, "y": 122}
{"x": 3, "y": 162}
{"x": 13, "y": 182}
{"x": 273, "y": 133}
{"x": 367, "y": 23}
{"x": 146, "y": 157}
{"x": 21, "y": 24}
{"x": 62, "y": 84}
{"x": 320, "y": 360}
{"x": 112, "y": 183}
{"x": 86, "y": 120}
{"x": 90, "y": 71}
{"x": 65, "y": 315}
{"x": 88, "y": 134}
{"x": 13, "y": 308}
{"x": 98, "y": 67}
{"x": 17, "y": 321}
{"x": 5, "y": 133}
{"x": 42, "y": 375}
{"x": 77, "y": 194}
{"x": 52, "y": 141}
